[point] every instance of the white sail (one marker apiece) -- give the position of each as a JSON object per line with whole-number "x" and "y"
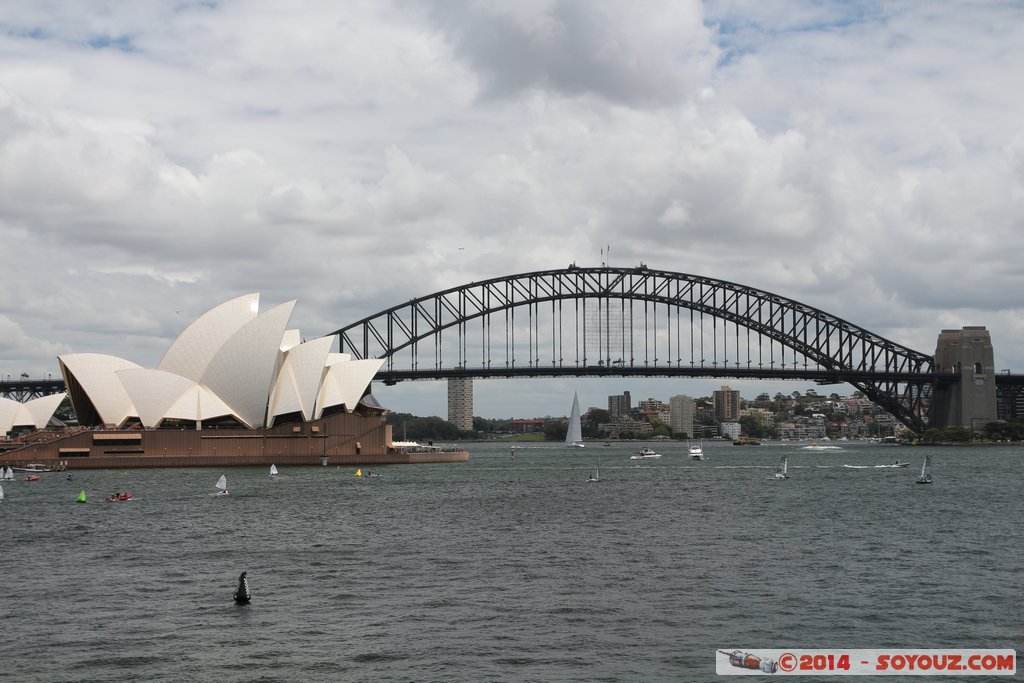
{"x": 9, "y": 474}
{"x": 222, "y": 483}
{"x": 273, "y": 470}
{"x": 574, "y": 437}
{"x": 783, "y": 471}
{"x": 1, "y": 492}
{"x": 926, "y": 471}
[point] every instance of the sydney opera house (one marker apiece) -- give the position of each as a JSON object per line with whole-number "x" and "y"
{"x": 237, "y": 387}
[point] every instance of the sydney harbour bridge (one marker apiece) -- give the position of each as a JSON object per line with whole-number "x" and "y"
{"x": 641, "y": 322}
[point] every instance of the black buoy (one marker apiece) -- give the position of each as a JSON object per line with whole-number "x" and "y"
{"x": 242, "y": 594}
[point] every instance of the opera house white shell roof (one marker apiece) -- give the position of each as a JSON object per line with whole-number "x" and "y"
{"x": 35, "y": 413}
{"x": 232, "y": 362}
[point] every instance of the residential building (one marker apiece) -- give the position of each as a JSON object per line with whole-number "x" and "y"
{"x": 619, "y": 405}
{"x": 681, "y": 414}
{"x": 726, "y": 403}
{"x": 460, "y": 402}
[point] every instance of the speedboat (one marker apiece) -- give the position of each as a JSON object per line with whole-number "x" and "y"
{"x": 696, "y": 451}
{"x": 644, "y": 454}
{"x": 119, "y": 497}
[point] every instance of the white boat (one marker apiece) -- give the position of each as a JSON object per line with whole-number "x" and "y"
{"x": 273, "y": 470}
{"x": 783, "y": 471}
{"x": 33, "y": 467}
{"x": 644, "y": 454}
{"x": 926, "y": 471}
{"x": 894, "y": 465}
{"x": 574, "y": 437}
{"x": 8, "y": 474}
{"x": 596, "y": 476}
{"x": 222, "y": 486}
{"x": 1, "y": 492}
{"x": 696, "y": 452}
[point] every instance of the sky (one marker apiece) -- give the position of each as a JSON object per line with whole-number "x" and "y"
{"x": 159, "y": 158}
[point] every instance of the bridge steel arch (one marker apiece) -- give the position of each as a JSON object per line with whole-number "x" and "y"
{"x": 606, "y": 320}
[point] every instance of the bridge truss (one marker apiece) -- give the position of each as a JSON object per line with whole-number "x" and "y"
{"x": 636, "y": 322}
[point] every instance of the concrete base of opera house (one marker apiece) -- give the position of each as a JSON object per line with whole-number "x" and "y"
{"x": 339, "y": 439}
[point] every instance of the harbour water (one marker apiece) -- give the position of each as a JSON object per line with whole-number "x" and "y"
{"x": 510, "y": 568}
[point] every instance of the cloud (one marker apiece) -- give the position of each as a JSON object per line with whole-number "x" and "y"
{"x": 866, "y": 159}
{"x": 646, "y": 53}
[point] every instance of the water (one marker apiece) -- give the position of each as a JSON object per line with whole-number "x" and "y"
{"x": 509, "y": 569}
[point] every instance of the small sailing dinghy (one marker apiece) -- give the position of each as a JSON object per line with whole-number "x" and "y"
{"x": 273, "y": 470}
{"x": 1, "y": 492}
{"x": 926, "y": 471}
{"x": 8, "y": 474}
{"x": 783, "y": 471}
{"x": 222, "y": 486}
{"x": 596, "y": 476}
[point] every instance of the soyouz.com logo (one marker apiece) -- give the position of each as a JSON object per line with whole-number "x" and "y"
{"x": 896, "y": 662}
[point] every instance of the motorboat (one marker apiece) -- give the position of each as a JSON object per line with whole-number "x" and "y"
{"x": 644, "y": 454}
{"x": 696, "y": 451}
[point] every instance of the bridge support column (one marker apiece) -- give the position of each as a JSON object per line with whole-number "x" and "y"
{"x": 970, "y": 402}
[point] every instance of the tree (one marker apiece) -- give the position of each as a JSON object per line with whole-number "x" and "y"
{"x": 555, "y": 431}
{"x": 751, "y": 425}
{"x": 660, "y": 428}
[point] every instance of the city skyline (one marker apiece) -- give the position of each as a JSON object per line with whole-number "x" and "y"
{"x": 861, "y": 158}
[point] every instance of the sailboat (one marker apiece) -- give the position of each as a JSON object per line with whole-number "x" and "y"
{"x": 696, "y": 452}
{"x": 783, "y": 471}
{"x": 273, "y": 470}
{"x": 222, "y": 486}
{"x": 574, "y": 437}
{"x": 9, "y": 474}
{"x": 596, "y": 476}
{"x": 1, "y": 492}
{"x": 926, "y": 471}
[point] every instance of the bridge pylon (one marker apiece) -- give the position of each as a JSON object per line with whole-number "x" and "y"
{"x": 970, "y": 402}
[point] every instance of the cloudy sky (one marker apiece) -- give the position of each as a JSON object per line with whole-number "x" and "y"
{"x": 159, "y": 158}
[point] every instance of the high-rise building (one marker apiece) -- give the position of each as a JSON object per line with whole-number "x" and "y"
{"x": 650, "y": 406}
{"x": 460, "y": 402}
{"x": 619, "y": 405}
{"x": 726, "y": 404}
{"x": 681, "y": 411}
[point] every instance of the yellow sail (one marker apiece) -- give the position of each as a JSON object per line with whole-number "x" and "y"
{"x": 359, "y": 472}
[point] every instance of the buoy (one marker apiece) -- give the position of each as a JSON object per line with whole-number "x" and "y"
{"x": 81, "y": 497}
{"x": 242, "y": 593}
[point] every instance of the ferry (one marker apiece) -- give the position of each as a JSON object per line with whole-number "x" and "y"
{"x": 33, "y": 467}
